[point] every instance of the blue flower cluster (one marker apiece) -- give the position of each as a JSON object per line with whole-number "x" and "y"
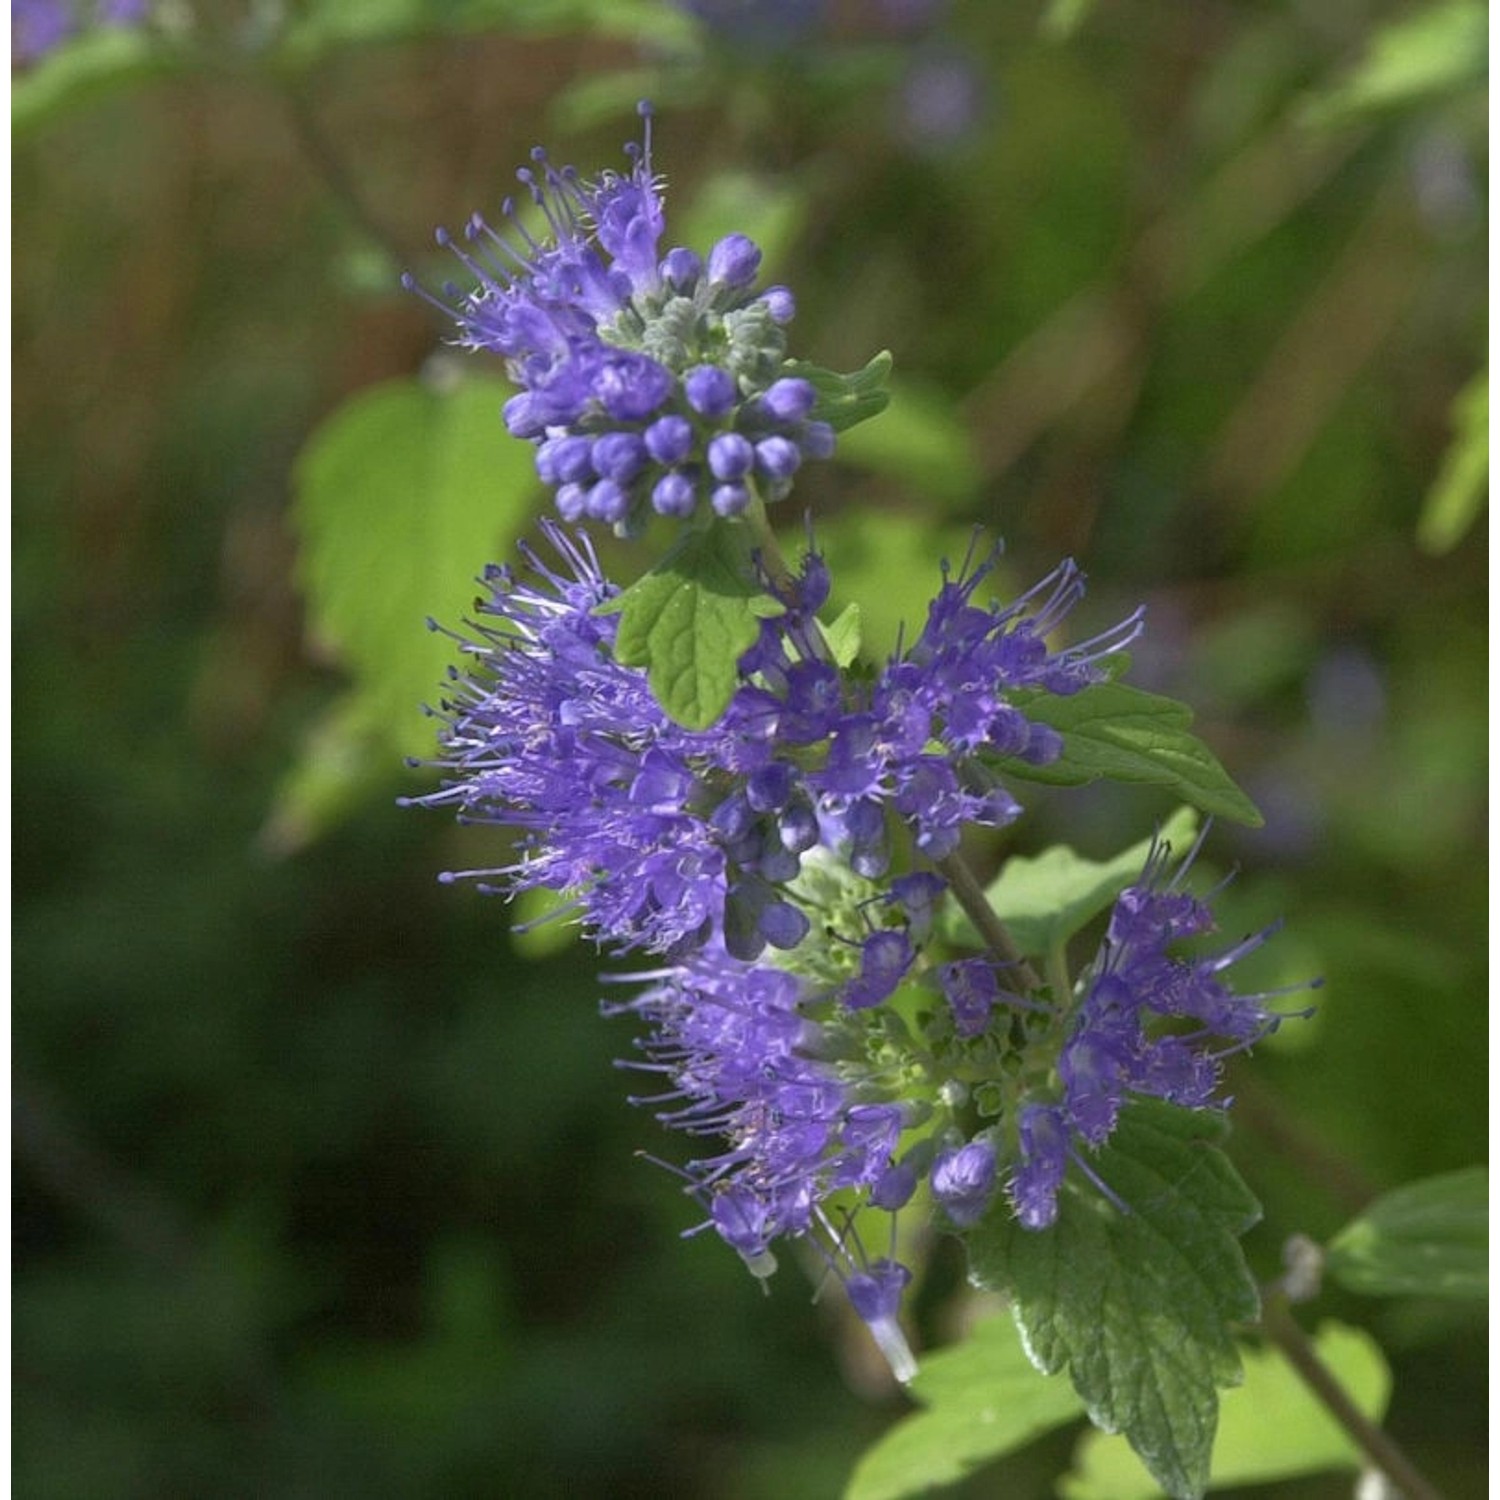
{"x": 755, "y": 859}
{"x": 650, "y": 382}
{"x": 784, "y": 866}
{"x": 665, "y": 838}
{"x": 1119, "y": 1044}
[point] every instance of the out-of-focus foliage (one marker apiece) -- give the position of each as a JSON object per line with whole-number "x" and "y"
{"x": 324, "y": 1186}
{"x": 1428, "y": 1239}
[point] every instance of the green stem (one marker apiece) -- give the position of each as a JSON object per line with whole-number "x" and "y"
{"x": 1286, "y": 1333}
{"x": 772, "y": 559}
{"x": 969, "y": 894}
{"x": 1059, "y": 977}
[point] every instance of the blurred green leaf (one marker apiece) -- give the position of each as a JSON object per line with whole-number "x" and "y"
{"x": 345, "y": 758}
{"x": 1115, "y": 731}
{"x": 326, "y": 26}
{"x": 538, "y": 930}
{"x": 1137, "y": 1306}
{"x": 1062, "y": 18}
{"x": 984, "y": 1399}
{"x": 920, "y": 440}
{"x": 869, "y": 555}
{"x": 1044, "y": 901}
{"x": 401, "y": 498}
{"x": 691, "y": 618}
{"x": 1269, "y": 1427}
{"x": 843, "y": 636}
{"x": 1434, "y": 53}
{"x": 103, "y": 61}
{"x": 1427, "y": 1239}
{"x": 1458, "y": 493}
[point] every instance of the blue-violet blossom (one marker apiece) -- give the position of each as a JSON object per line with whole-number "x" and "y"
{"x": 1117, "y": 1045}
{"x": 665, "y": 837}
{"x": 650, "y": 381}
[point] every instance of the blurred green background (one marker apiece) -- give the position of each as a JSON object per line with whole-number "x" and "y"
{"x": 324, "y": 1183}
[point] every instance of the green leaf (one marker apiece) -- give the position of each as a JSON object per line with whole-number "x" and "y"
{"x": 1044, "y": 901}
{"x": 345, "y": 760}
{"x": 1428, "y": 1239}
{"x": 984, "y": 1400}
{"x": 691, "y": 618}
{"x": 1269, "y": 1428}
{"x": 1458, "y": 493}
{"x": 401, "y": 497}
{"x": 844, "y": 400}
{"x": 1119, "y": 732}
{"x": 100, "y": 62}
{"x": 1137, "y": 1305}
{"x": 920, "y": 441}
{"x": 538, "y": 928}
{"x": 322, "y": 27}
{"x": 843, "y": 636}
{"x": 1063, "y": 18}
{"x": 1434, "y": 53}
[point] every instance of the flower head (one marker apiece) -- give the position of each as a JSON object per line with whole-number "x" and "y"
{"x": 649, "y": 381}
{"x": 1151, "y": 1023}
{"x": 663, "y": 837}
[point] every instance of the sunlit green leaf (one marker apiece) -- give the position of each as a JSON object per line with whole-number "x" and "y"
{"x": 1458, "y": 493}
{"x": 845, "y": 400}
{"x": 402, "y": 496}
{"x": 843, "y": 636}
{"x": 1137, "y": 1306}
{"x": 691, "y": 618}
{"x": 984, "y": 1398}
{"x": 1269, "y": 1427}
{"x": 1044, "y": 901}
{"x": 1432, "y": 52}
{"x": 1427, "y": 1239}
{"x": 1119, "y": 732}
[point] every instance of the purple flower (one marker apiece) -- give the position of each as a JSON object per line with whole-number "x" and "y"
{"x": 1118, "y": 1045}
{"x": 611, "y": 339}
{"x": 972, "y": 991}
{"x": 963, "y": 1181}
{"x": 38, "y": 27}
{"x": 758, "y": 25}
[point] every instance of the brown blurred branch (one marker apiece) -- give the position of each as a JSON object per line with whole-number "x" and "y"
{"x": 1320, "y": 352}
{"x": 1095, "y": 334}
{"x": 335, "y": 174}
{"x": 1278, "y": 1324}
{"x": 1262, "y": 1113}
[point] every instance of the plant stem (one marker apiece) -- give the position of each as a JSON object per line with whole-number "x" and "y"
{"x": 1058, "y": 976}
{"x": 1278, "y": 1324}
{"x": 320, "y": 152}
{"x": 969, "y": 894}
{"x": 772, "y": 559}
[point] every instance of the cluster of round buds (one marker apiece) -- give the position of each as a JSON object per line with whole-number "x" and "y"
{"x": 649, "y": 382}
{"x": 706, "y": 418}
